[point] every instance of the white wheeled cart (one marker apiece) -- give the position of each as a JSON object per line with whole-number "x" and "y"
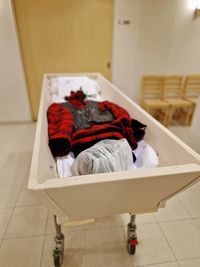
{"x": 91, "y": 196}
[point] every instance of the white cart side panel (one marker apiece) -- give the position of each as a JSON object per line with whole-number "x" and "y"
{"x": 43, "y": 164}
{"x": 98, "y": 196}
{"x": 171, "y": 150}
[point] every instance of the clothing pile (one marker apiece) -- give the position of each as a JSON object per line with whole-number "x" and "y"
{"x": 92, "y": 133}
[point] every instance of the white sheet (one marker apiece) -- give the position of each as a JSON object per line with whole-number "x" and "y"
{"x": 64, "y": 165}
{"x": 146, "y": 156}
{"x": 62, "y": 86}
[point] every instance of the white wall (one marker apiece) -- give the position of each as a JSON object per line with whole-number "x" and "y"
{"x": 14, "y": 105}
{"x": 184, "y": 54}
{"x": 125, "y": 44}
{"x": 163, "y": 37}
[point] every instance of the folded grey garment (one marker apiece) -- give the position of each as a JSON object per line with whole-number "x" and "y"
{"x": 104, "y": 156}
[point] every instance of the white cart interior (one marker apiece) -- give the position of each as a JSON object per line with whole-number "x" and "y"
{"x": 97, "y": 195}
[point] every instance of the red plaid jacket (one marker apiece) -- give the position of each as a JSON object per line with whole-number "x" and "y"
{"x": 63, "y": 138}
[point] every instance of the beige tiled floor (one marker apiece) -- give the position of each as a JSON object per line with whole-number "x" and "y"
{"x": 168, "y": 238}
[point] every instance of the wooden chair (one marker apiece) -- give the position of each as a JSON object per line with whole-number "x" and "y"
{"x": 151, "y": 96}
{"x": 173, "y": 95}
{"x": 191, "y": 90}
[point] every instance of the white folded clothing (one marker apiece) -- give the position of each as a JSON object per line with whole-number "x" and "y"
{"x": 146, "y": 156}
{"x": 64, "y": 165}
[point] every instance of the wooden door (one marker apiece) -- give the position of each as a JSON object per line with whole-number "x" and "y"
{"x": 63, "y": 36}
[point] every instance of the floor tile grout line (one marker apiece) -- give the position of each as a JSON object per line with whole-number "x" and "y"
{"x": 10, "y": 218}
{"x": 186, "y": 208}
{"x": 183, "y": 206}
{"x": 86, "y": 245}
{"x": 11, "y": 215}
{"x": 195, "y": 258}
{"x": 43, "y": 242}
{"x": 115, "y": 226}
{"x": 180, "y": 219}
{"x": 198, "y": 225}
{"x": 27, "y": 206}
{"x": 178, "y": 264}
{"x": 100, "y": 227}
{"x": 30, "y": 206}
{"x": 167, "y": 241}
{"x": 23, "y": 237}
{"x": 6, "y": 228}
{"x": 14, "y": 206}
{"x": 176, "y": 220}
{"x": 171, "y": 247}
{"x": 192, "y": 217}
{"x": 13, "y": 145}
{"x": 175, "y": 260}
{"x": 157, "y": 264}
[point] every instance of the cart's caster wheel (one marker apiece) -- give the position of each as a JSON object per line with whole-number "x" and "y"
{"x": 58, "y": 252}
{"x": 58, "y": 258}
{"x": 131, "y": 246}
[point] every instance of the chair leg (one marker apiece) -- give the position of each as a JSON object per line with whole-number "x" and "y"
{"x": 166, "y": 117}
{"x": 189, "y": 115}
{"x": 169, "y": 116}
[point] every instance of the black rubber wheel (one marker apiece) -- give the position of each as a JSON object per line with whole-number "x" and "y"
{"x": 57, "y": 261}
{"x": 131, "y": 248}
